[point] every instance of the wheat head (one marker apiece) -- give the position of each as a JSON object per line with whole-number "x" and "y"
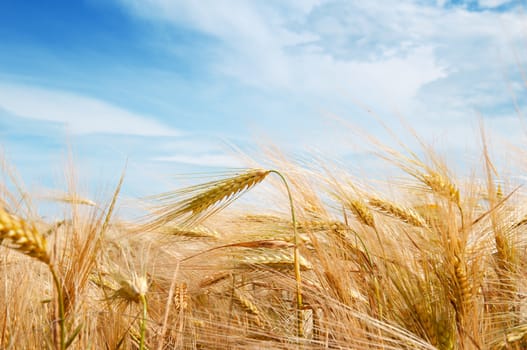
{"x": 23, "y": 236}
{"x": 361, "y": 212}
{"x": 195, "y": 203}
{"x": 406, "y": 215}
{"x": 442, "y": 186}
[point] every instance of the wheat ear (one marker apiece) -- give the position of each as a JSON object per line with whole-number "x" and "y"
{"x": 516, "y": 335}
{"x": 406, "y": 215}
{"x": 135, "y": 290}
{"x": 442, "y": 186}
{"x": 23, "y": 237}
{"x": 246, "y": 304}
{"x": 464, "y": 290}
{"x": 361, "y": 212}
{"x": 197, "y": 202}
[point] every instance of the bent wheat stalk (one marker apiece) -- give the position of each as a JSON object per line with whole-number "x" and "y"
{"x": 22, "y": 236}
{"x": 296, "y": 258}
{"x": 200, "y": 201}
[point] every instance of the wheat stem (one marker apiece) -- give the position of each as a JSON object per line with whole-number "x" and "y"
{"x": 60, "y": 300}
{"x": 143, "y": 321}
{"x": 298, "y": 277}
{"x": 25, "y": 238}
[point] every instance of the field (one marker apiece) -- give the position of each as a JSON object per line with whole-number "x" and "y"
{"x": 329, "y": 261}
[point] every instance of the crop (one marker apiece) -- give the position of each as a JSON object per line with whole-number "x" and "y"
{"x": 332, "y": 262}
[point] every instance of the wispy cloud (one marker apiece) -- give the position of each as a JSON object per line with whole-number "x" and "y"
{"x": 274, "y": 69}
{"x": 79, "y": 114}
{"x": 441, "y": 65}
{"x": 381, "y": 55}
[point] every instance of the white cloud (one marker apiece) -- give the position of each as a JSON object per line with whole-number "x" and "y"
{"x": 389, "y": 52}
{"x": 430, "y": 63}
{"x": 80, "y": 114}
{"x": 260, "y": 49}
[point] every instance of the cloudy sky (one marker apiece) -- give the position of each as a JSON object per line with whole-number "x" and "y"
{"x": 168, "y": 84}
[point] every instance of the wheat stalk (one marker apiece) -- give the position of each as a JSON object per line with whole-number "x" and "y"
{"x": 25, "y": 238}
{"x": 134, "y": 289}
{"x": 196, "y": 203}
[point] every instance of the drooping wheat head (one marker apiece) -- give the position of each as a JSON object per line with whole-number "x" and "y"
{"x": 22, "y": 236}
{"x": 131, "y": 289}
{"x": 441, "y": 185}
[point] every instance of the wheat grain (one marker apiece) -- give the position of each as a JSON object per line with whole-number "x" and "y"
{"x": 423, "y": 312}
{"x": 463, "y": 291}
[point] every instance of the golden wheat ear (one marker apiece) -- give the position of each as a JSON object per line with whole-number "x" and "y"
{"x": 361, "y": 212}
{"x": 22, "y": 236}
{"x": 441, "y": 185}
{"x": 193, "y": 204}
{"x": 406, "y": 215}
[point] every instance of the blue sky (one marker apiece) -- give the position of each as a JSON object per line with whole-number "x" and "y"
{"x": 167, "y": 83}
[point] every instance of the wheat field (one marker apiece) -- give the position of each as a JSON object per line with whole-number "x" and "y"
{"x": 427, "y": 261}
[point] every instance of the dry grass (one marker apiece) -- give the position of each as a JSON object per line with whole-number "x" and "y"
{"x": 440, "y": 267}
